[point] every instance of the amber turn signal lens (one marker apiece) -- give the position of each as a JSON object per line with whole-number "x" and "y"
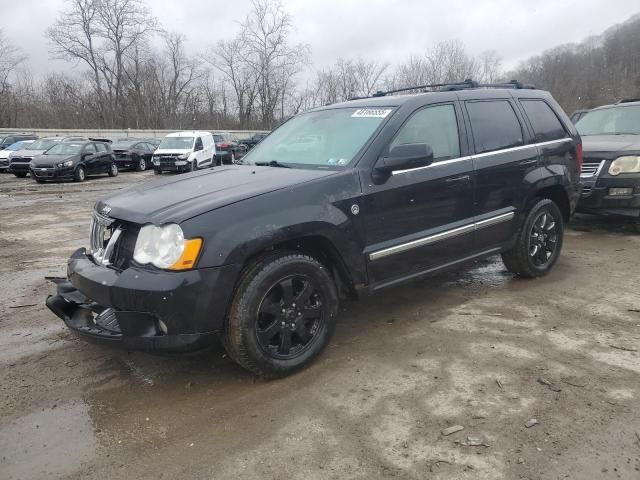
{"x": 189, "y": 255}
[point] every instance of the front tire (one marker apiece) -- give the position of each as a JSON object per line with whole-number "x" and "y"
{"x": 282, "y": 314}
{"x": 141, "y": 165}
{"x": 539, "y": 242}
{"x": 113, "y": 170}
{"x": 79, "y": 175}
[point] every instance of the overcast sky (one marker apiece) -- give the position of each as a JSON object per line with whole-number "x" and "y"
{"x": 377, "y": 29}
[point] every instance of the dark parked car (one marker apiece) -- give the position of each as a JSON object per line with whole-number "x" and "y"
{"x": 135, "y": 154}
{"x": 398, "y": 188}
{"x": 7, "y": 139}
{"x": 73, "y": 161}
{"x": 255, "y": 139}
{"x": 228, "y": 148}
{"x": 611, "y": 169}
{"x": 20, "y": 160}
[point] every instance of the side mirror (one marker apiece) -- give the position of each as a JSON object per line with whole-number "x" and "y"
{"x": 404, "y": 157}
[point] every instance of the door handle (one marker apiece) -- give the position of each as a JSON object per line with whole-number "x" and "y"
{"x": 528, "y": 162}
{"x": 460, "y": 179}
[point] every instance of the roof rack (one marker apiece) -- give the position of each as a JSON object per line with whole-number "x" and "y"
{"x": 452, "y": 86}
{"x": 627, "y": 100}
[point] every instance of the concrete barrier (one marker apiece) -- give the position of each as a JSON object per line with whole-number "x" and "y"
{"x": 45, "y": 132}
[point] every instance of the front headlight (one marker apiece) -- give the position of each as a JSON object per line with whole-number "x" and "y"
{"x": 68, "y": 163}
{"x": 630, "y": 164}
{"x": 165, "y": 247}
{"x": 184, "y": 156}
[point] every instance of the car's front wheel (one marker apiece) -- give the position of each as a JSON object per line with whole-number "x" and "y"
{"x": 282, "y": 315}
{"x": 538, "y": 245}
{"x": 141, "y": 166}
{"x": 79, "y": 175}
{"x": 113, "y": 170}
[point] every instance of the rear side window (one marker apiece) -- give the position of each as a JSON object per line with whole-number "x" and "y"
{"x": 437, "y": 127}
{"x": 90, "y": 148}
{"x": 494, "y": 125}
{"x": 545, "y": 123}
{"x": 101, "y": 147}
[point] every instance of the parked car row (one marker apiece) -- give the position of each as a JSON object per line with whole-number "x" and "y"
{"x": 177, "y": 152}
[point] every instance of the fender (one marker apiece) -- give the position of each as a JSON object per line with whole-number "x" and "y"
{"x": 237, "y": 233}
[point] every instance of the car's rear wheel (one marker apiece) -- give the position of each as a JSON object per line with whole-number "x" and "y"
{"x": 79, "y": 175}
{"x": 141, "y": 166}
{"x": 282, "y": 315}
{"x": 539, "y": 243}
{"x": 20, "y": 174}
{"x": 113, "y": 170}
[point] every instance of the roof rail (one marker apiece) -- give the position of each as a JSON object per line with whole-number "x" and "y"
{"x": 452, "y": 86}
{"x": 627, "y": 100}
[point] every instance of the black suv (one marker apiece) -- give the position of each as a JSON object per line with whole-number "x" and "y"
{"x": 342, "y": 200}
{"x": 73, "y": 161}
{"x": 611, "y": 169}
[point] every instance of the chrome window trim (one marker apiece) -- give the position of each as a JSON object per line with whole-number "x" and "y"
{"x": 485, "y": 154}
{"x": 420, "y": 242}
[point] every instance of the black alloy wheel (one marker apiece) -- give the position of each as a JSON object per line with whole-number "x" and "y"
{"x": 543, "y": 239}
{"x": 289, "y": 317}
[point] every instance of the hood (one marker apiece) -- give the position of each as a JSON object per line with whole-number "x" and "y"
{"x": 611, "y": 143}
{"x": 50, "y": 160}
{"x": 180, "y": 197}
{"x": 27, "y": 153}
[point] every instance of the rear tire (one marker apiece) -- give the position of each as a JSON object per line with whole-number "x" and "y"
{"x": 79, "y": 174}
{"x": 539, "y": 242}
{"x": 20, "y": 174}
{"x": 282, "y": 314}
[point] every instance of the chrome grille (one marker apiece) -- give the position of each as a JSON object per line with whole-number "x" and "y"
{"x": 102, "y": 237}
{"x": 591, "y": 169}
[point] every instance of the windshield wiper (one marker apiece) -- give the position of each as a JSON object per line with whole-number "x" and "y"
{"x": 272, "y": 163}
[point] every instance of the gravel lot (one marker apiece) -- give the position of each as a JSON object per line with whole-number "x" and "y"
{"x": 475, "y": 347}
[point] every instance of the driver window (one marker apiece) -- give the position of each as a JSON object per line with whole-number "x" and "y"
{"x": 90, "y": 148}
{"x": 437, "y": 127}
{"x": 198, "y": 143}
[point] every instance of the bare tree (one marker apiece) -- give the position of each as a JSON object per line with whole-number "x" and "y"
{"x": 10, "y": 58}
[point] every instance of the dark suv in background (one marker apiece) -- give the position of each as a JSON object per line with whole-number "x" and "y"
{"x": 393, "y": 188}
{"x": 7, "y": 139}
{"x": 611, "y": 169}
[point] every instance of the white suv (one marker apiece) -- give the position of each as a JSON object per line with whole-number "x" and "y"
{"x": 184, "y": 152}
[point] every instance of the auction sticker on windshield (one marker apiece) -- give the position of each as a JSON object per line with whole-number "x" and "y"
{"x": 371, "y": 113}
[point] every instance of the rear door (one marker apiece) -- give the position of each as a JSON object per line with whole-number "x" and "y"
{"x": 421, "y": 218}
{"x": 199, "y": 151}
{"x": 502, "y": 157}
{"x": 104, "y": 156}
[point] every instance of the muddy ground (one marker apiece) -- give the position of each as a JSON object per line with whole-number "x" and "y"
{"x": 469, "y": 348}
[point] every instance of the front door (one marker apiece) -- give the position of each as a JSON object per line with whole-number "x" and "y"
{"x": 421, "y": 218}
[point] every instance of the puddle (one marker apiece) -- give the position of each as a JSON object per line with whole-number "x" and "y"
{"x": 51, "y": 442}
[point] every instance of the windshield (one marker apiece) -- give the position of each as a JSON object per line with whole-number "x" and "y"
{"x": 321, "y": 139}
{"x": 41, "y": 145}
{"x": 18, "y": 145}
{"x": 176, "y": 143}
{"x": 65, "y": 149}
{"x": 622, "y": 120}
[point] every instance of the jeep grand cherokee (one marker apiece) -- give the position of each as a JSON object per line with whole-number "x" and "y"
{"x": 342, "y": 200}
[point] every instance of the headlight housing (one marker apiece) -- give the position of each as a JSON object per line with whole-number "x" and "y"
{"x": 184, "y": 156}
{"x": 628, "y": 164}
{"x": 165, "y": 247}
{"x": 68, "y": 163}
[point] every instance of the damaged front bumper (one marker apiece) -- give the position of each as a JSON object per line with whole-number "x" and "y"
{"x": 143, "y": 309}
